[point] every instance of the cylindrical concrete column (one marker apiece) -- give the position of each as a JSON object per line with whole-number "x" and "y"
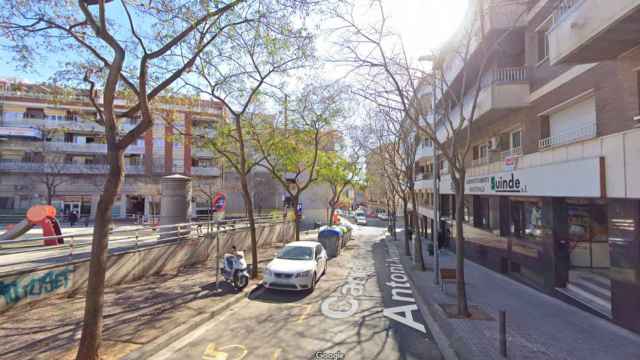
{"x": 175, "y": 203}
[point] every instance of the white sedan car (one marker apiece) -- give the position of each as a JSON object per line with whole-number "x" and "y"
{"x": 297, "y": 266}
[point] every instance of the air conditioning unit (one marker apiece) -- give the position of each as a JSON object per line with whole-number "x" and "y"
{"x": 494, "y": 143}
{"x": 637, "y": 120}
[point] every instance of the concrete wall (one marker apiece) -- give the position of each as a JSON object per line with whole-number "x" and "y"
{"x": 26, "y": 287}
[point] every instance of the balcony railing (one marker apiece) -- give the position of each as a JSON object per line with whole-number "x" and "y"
{"x": 62, "y": 168}
{"x": 563, "y": 8}
{"x": 480, "y": 161}
{"x": 575, "y": 135}
{"x": 205, "y": 171}
{"x": 516, "y": 151}
{"x": 89, "y": 148}
{"x": 510, "y": 74}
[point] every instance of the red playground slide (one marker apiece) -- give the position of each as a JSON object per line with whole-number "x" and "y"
{"x": 43, "y": 215}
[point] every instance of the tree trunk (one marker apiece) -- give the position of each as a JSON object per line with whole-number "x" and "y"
{"x": 248, "y": 205}
{"x": 296, "y": 217}
{"x": 407, "y": 239}
{"x": 417, "y": 244}
{"x": 94, "y": 303}
{"x": 332, "y": 211}
{"x": 463, "y": 310}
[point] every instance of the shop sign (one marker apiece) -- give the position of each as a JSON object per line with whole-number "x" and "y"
{"x": 578, "y": 178}
{"x": 507, "y": 184}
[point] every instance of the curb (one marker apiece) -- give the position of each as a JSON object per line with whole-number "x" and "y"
{"x": 165, "y": 340}
{"x": 440, "y": 338}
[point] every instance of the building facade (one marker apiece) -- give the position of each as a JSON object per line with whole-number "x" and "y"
{"x": 552, "y": 195}
{"x": 52, "y": 147}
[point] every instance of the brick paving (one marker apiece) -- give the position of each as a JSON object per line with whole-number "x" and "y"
{"x": 538, "y": 326}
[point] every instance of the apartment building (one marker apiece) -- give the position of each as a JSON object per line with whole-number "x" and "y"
{"x": 52, "y": 146}
{"x": 553, "y": 186}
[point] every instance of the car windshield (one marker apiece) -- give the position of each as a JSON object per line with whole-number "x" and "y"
{"x": 296, "y": 253}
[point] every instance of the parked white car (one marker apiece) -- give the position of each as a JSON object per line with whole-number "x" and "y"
{"x": 297, "y": 266}
{"x": 383, "y": 216}
{"x": 361, "y": 219}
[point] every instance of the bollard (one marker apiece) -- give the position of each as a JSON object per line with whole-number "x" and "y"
{"x": 502, "y": 336}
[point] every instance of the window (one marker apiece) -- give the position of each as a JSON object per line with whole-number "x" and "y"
{"x": 526, "y": 220}
{"x": 68, "y": 137}
{"x": 542, "y": 35}
{"x": 476, "y": 152}
{"x": 72, "y": 116}
{"x": 483, "y": 151}
{"x": 6, "y": 203}
{"x": 516, "y": 139}
{"x": 34, "y": 113}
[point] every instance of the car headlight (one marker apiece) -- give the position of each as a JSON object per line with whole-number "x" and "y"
{"x": 303, "y": 274}
{"x": 268, "y": 272}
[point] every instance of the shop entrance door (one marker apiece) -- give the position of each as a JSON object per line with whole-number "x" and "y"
{"x": 589, "y": 278}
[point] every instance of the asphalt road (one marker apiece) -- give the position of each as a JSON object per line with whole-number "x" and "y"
{"x": 352, "y": 314}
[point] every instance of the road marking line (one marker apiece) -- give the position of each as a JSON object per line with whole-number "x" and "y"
{"x": 180, "y": 343}
{"x": 304, "y": 314}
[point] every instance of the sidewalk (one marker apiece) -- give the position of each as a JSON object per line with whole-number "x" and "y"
{"x": 135, "y": 314}
{"x": 538, "y": 326}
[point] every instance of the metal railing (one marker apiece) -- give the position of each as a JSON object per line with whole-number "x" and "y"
{"x": 516, "y": 151}
{"x": 563, "y": 9}
{"x": 205, "y": 171}
{"x": 480, "y": 161}
{"x": 30, "y": 253}
{"x": 582, "y": 133}
{"x": 510, "y": 74}
{"x": 62, "y": 168}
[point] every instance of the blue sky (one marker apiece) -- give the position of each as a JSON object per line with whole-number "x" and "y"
{"x": 423, "y": 24}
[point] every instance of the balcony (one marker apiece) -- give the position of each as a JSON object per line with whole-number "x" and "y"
{"x": 480, "y": 161}
{"x": 424, "y": 151}
{"x": 91, "y": 148}
{"x": 513, "y": 152}
{"x": 587, "y": 31}
{"x": 501, "y": 89}
{"x": 499, "y": 16}
{"x": 63, "y": 168}
{"x": 205, "y": 171}
{"x": 578, "y": 134}
{"x": 50, "y": 122}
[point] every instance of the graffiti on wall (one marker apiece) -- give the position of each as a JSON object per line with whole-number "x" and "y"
{"x": 34, "y": 285}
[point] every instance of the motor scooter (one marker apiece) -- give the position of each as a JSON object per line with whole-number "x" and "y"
{"x": 235, "y": 270}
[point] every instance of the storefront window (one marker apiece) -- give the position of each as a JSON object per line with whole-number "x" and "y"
{"x": 526, "y": 220}
{"x": 468, "y": 209}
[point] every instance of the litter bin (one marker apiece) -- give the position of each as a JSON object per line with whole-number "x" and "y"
{"x": 331, "y": 239}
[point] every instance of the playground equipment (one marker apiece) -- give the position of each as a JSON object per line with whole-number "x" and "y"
{"x": 43, "y": 215}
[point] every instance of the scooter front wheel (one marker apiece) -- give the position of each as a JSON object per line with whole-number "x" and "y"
{"x": 240, "y": 282}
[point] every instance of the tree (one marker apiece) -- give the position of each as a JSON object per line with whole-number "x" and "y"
{"x": 291, "y": 147}
{"x": 339, "y": 173}
{"x": 393, "y": 143}
{"x": 54, "y": 172}
{"x": 236, "y": 73}
{"x": 395, "y": 83}
{"x": 142, "y": 48}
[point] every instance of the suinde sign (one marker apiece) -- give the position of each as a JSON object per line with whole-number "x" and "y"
{"x": 507, "y": 184}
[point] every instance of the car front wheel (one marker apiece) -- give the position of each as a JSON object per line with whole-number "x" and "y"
{"x": 313, "y": 282}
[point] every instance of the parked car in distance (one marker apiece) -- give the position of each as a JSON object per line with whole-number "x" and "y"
{"x": 361, "y": 219}
{"x": 297, "y": 266}
{"x": 383, "y": 216}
